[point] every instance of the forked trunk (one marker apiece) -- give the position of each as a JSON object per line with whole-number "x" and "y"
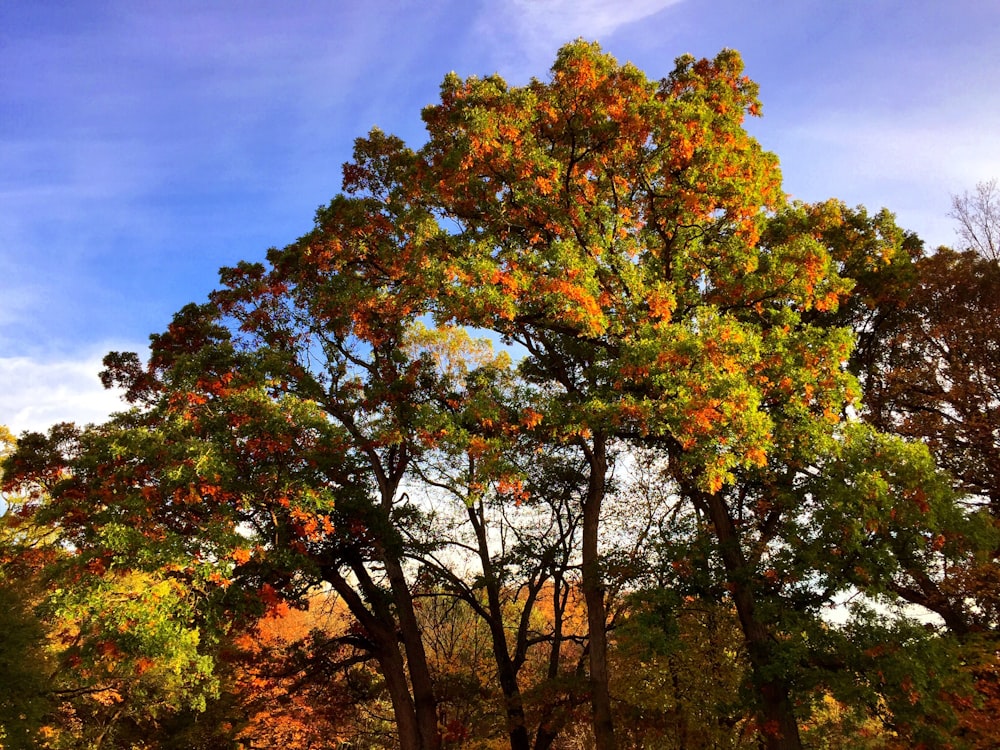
{"x": 394, "y": 673}
{"x": 381, "y": 632}
{"x": 424, "y": 700}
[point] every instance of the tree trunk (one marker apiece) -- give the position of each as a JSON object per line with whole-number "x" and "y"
{"x": 593, "y": 594}
{"x": 779, "y": 729}
{"x": 424, "y": 700}
{"x": 517, "y": 730}
{"x": 550, "y": 724}
{"x": 393, "y": 670}
{"x": 390, "y": 552}
{"x": 382, "y": 635}
{"x": 544, "y": 738}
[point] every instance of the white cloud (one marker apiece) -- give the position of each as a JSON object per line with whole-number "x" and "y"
{"x": 35, "y": 394}
{"x": 541, "y": 26}
{"x": 910, "y": 165}
{"x": 588, "y": 18}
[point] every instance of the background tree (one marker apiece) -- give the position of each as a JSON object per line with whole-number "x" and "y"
{"x": 680, "y": 667}
{"x": 298, "y": 682}
{"x": 978, "y": 217}
{"x": 934, "y": 381}
{"x": 25, "y": 700}
{"x": 513, "y": 563}
{"x": 940, "y": 381}
{"x": 119, "y": 653}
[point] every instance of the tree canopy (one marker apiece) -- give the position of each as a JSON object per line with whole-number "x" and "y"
{"x": 563, "y": 409}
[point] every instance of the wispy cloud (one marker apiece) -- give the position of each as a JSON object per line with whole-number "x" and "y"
{"x": 35, "y": 394}
{"x": 540, "y": 26}
{"x": 144, "y": 146}
{"x": 912, "y": 164}
{"x": 554, "y": 18}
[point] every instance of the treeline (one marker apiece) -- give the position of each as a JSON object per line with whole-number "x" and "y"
{"x": 564, "y": 430}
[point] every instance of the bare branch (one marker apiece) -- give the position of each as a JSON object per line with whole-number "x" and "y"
{"x": 978, "y": 217}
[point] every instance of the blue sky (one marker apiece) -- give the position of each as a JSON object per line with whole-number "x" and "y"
{"x": 145, "y": 144}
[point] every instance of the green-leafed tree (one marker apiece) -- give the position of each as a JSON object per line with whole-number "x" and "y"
{"x": 630, "y": 241}
{"x": 617, "y": 229}
{"x": 25, "y": 700}
{"x": 932, "y": 378}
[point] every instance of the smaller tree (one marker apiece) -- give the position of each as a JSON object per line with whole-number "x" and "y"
{"x": 978, "y": 217}
{"x": 109, "y": 655}
{"x": 680, "y": 666}
{"x": 24, "y": 666}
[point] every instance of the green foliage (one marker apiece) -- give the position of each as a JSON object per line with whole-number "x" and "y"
{"x": 25, "y": 700}
{"x": 134, "y": 633}
{"x": 665, "y": 303}
{"x": 680, "y": 670}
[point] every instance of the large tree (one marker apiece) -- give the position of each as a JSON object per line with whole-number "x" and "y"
{"x": 613, "y": 227}
{"x": 630, "y": 242}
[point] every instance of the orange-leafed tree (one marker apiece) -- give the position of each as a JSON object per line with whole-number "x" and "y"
{"x": 226, "y": 484}
{"x": 298, "y": 682}
{"x": 631, "y": 242}
{"x": 614, "y": 227}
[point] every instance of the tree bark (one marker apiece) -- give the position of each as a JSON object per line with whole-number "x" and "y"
{"x": 393, "y": 670}
{"x": 382, "y": 635}
{"x": 517, "y": 730}
{"x": 389, "y": 472}
{"x": 779, "y": 729}
{"x": 593, "y": 595}
{"x": 424, "y": 699}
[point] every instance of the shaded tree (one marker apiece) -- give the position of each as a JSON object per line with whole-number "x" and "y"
{"x": 939, "y": 381}
{"x": 25, "y": 699}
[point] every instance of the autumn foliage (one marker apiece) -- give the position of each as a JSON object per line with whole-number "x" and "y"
{"x": 566, "y": 429}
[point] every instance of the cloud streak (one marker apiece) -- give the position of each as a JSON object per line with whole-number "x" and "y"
{"x": 38, "y": 394}
{"x": 554, "y": 19}
{"x": 541, "y": 26}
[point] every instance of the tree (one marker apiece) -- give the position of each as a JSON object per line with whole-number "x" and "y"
{"x": 298, "y": 682}
{"x": 680, "y": 668}
{"x": 630, "y": 241}
{"x": 111, "y": 655}
{"x": 24, "y": 690}
{"x": 612, "y": 227}
{"x": 978, "y": 217}
{"x": 934, "y": 381}
{"x": 520, "y": 534}
{"x": 321, "y": 503}
{"x": 940, "y": 382}
{"x": 929, "y": 374}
